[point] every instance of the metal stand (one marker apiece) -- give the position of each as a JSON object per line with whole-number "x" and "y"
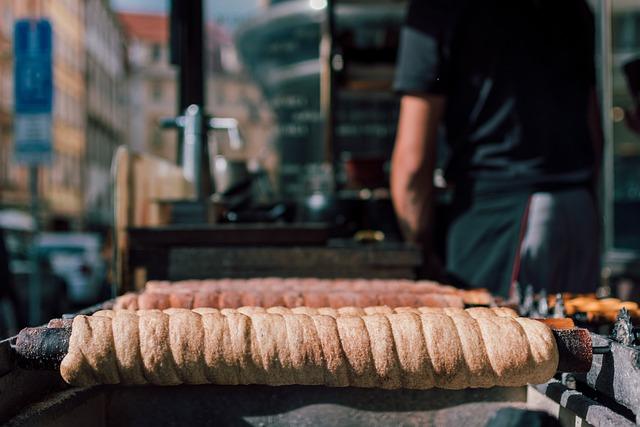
{"x": 327, "y": 82}
{"x": 35, "y": 295}
{"x": 187, "y": 42}
{"x": 193, "y": 148}
{"x": 195, "y": 163}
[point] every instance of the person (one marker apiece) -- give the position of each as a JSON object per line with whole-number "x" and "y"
{"x": 631, "y": 70}
{"x": 8, "y": 298}
{"x": 513, "y": 85}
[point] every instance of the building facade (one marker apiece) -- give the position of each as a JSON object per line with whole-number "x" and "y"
{"x": 89, "y": 114}
{"x": 152, "y": 83}
{"x": 107, "y": 118}
{"x": 60, "y": 183}
{"x": 13, "y": 178}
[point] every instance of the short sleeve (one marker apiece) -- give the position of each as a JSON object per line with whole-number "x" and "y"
{"x": 423, "y": 55}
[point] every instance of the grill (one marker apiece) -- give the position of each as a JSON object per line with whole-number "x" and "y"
{"x": 608, "y": 394}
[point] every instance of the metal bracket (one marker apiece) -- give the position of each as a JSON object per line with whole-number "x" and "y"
{"x": 601, "y": 349}
{"x": 192, "y": 147}
{"x": 194, "y": 125}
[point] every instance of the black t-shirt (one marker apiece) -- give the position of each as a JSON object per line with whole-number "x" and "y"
{"x": 517, "y": 75}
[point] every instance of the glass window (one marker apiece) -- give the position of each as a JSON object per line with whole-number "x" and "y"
{"x": 156, "y": 52}
{"x": 625, "y": 116}
{"x": 156, "y": 91}
{"x": 265, "y": 68}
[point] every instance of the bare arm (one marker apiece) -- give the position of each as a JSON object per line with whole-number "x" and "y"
{"x": 413, "y": 163}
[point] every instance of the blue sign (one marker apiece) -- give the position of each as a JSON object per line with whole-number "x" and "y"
{"x": 33, "y": 91}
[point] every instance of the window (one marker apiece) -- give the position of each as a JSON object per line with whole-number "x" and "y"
{"x": 4, "y": 158}
{"x": 156, "y": 91}
{"x": 626, "y": 30}
{"x": 622, "y": 227}
{"x": 8, "y": 20}
{"x": 156, "y": 52}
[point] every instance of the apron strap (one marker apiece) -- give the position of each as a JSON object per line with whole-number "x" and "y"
{"x": 515, "y": 271}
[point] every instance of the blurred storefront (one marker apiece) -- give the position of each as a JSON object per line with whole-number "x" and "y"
{"x": 329, "y": 86}
{"x": 303, "y": 89}
{"x": 619, "y": 32}
{"x": 107, "y": 101}
{"x": 265, "y": 67}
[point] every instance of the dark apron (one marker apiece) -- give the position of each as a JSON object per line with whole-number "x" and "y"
{"x": 484, "y": 238}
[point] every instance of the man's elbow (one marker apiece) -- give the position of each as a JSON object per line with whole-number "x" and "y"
{"x": 406, "y": 167}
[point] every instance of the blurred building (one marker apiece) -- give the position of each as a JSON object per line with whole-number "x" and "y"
{"x": 61, "y": 184}
{"x": 89, "y": 117}
{"x": 153, "y": 95}
{"x": 232, "y": 93}
{"x": 107, "y": 118}
{"x": 152, "y": 83}
{"x": 13, "y": 179}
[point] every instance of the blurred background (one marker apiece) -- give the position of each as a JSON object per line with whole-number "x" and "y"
{"x": 312, "y": 154}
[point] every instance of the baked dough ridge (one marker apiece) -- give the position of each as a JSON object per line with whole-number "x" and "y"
{"x": 373, "y": 347}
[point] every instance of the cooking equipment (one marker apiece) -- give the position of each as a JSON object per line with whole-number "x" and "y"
{"x": 260, "y": 214}
{"x": 607, "y": 395}
{"x": 613, "y": 382}
{"x": 365, "y": 172}
{"x": 193, "y": 150}
{"x": 230, "y": 175}
{"x": 229, "y": 165}
{"x": 259, "y": 405}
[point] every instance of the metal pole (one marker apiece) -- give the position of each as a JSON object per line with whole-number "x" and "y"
{"x": 187, "y": 43}
{"x": 187, "y": 52}
{"x": 34, "y": 277}
{"x": 192, "y": 152}
{"x": 327, "y": 82}
{"x": 606, "y": 99}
